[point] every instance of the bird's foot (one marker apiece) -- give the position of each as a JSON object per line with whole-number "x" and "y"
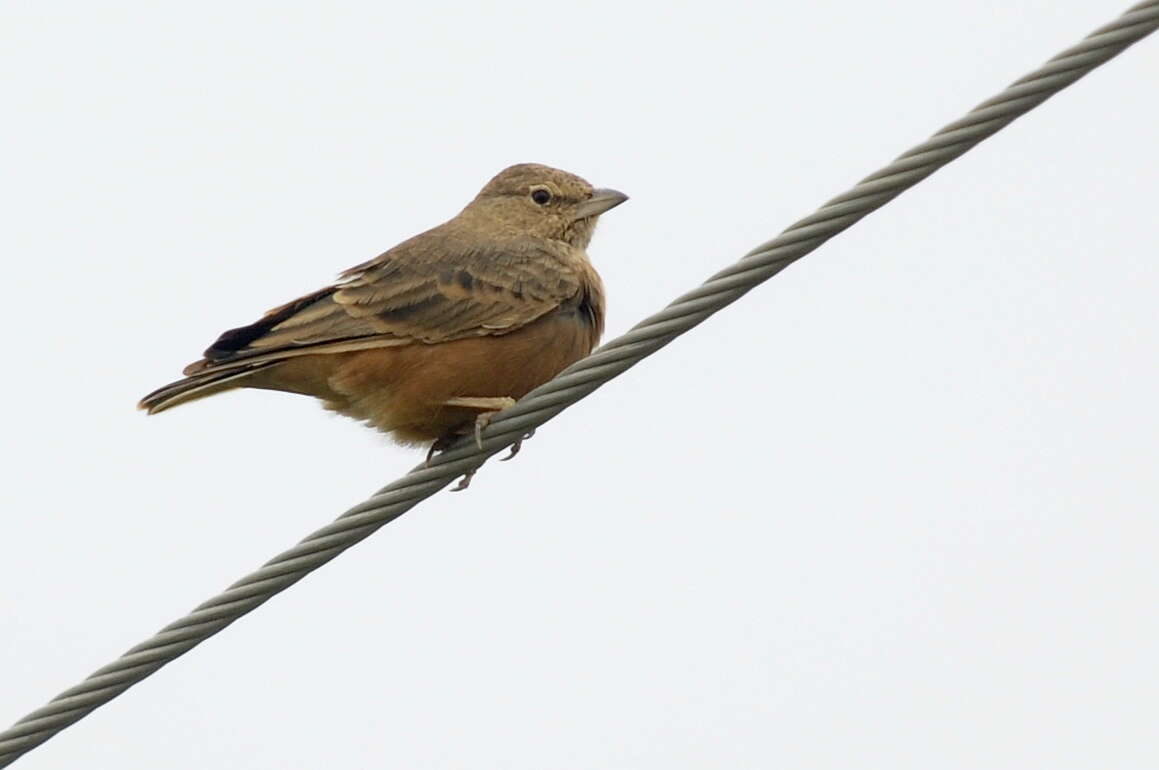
{"x": 489, "y": 404}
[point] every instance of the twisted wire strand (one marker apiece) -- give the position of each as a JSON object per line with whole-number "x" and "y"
{"x": 579, "y": 380}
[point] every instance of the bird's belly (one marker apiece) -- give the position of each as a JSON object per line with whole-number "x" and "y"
{"x": 403, "y": 390}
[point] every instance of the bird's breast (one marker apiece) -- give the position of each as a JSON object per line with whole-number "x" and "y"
{"x": 403, "y": 390}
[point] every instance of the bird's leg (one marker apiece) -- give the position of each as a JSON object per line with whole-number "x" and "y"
{"x": 489, "y": 406}
{"x": 517, "y": 446}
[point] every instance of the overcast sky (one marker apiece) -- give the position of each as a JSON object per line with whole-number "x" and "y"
{"x": 896, "y": 508}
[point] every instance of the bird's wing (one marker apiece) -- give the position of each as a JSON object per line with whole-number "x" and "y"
{"x": 409, "y": 294}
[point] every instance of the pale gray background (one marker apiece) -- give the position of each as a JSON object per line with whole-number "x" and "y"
{"x": 894, "y": 509}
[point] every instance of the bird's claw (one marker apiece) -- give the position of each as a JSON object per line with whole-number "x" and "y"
{"x": 517, "y": 446}
{"x": 465, "y": 481}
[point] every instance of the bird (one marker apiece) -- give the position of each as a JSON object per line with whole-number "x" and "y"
{"x": 428, "y": 340}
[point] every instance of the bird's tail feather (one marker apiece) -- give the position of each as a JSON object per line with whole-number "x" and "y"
{"x": 195, "y": 387}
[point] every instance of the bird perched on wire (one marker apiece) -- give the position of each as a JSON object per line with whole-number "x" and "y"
{"x": 429, "y": 339}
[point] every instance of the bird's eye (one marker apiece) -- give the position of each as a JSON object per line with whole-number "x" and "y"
{"x": 541, "y": 196}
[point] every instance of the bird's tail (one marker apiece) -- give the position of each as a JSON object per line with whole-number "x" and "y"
{"x": 197, "y": 386}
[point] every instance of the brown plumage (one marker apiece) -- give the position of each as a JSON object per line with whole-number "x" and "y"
{"x": 446, "y": 327}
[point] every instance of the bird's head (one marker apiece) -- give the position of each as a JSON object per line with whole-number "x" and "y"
{"x": 543, "y": 202}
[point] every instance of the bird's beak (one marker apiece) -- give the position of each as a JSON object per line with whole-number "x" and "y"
{"x": 602, "y": 200}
